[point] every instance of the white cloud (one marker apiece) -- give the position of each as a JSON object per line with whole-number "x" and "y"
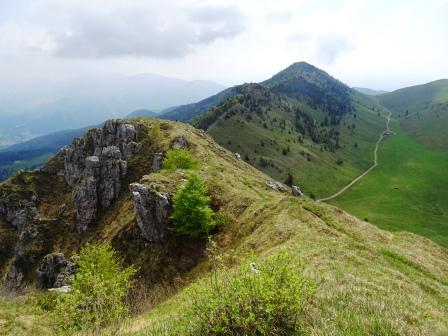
{"x": 385, "y": 43}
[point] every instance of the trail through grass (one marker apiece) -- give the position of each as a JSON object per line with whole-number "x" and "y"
{"x": 408, "y": 190}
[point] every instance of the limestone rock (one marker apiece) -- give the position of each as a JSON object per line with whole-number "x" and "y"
{"x": 85, "y": 201}
{"x": 157, "y": 162}
{"x": 95, "y": 166}
{"x": 18, "y": 212}
{"x": 238, "y": 156}
{"x": 152, "y": 210}
{"x": 296, "y": 191}
{"x": 54, "y": 271}
{"x": 14, "y": 278}
{"x": 277, "y": 186}
{"x": 179, "y": 142}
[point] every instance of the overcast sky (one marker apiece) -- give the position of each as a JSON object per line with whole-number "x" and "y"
{"x": 379, "y": 44}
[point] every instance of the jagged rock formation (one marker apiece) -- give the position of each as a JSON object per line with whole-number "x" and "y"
{"x": 152, "y": 209}
{"x": 20, "y": 212}
{"x": 54, "y": 271}
{"x": 95, "y": 166}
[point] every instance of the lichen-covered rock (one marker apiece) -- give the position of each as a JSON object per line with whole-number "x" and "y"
{"x": 95, "y": 166}
{"x": 152, "y": 210}
{"x": 54, "y": 271}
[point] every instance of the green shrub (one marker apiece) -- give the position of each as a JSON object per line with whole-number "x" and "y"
{"x": 267, "y": 300}
{"x": 192, "y": 215}
{"x": 98, "y": 292}
{"x": 179, "y": 158}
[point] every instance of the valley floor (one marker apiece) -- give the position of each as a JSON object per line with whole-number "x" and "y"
{"x": 407, "y": 191}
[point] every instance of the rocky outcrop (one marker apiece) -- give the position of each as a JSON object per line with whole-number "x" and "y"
{"x": 152, "y": 210}
{"x": 54, "y": 271}
{"x": 157, "y": 162}
{"x": 179, "y": 142}
{"x": 14, "y": 278}
{"x": 296, "y": 191}
{"x": 95, "y": 166}
{"x": 18, "y": 210}
{"x": 277, "y": 186}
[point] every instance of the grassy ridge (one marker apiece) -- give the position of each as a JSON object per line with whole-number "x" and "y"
{"x": 368, "y": 281}
{"x": 407, "y": 191}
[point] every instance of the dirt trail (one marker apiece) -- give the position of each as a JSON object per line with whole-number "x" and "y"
{"x": 375, "y": 163}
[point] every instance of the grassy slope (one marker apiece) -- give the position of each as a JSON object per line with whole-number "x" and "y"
{"x": 427, "y": 107}
{"x": 322, "y": 175}
{"x": 368, "y": 281}
{"x": 406, "y": 192}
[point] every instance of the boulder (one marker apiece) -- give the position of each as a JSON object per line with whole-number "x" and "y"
{"x": 152, "y": 211}
{"x": 296, "y": 191}
{"x": 238, "y": 156}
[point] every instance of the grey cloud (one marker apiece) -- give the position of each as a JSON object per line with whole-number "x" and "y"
{"x": 146, "y": 32}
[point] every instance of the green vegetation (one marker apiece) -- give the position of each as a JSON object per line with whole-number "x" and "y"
{"x": 368, "y": 281}
{"x": 23, "y": 316}
{"x": 422, "y": 112}
{"x": 192, "y": 215}
{"x": 179, "y": 158}
{"x": 280, "y": 135}
{"x": 407, "y": 191}
{"x": 247, "y": 300}
{"x": 98, "y": 291}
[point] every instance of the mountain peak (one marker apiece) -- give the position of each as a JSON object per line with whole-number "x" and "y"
{"x": 302, "y": 70}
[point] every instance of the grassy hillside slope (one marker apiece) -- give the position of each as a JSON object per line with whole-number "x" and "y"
{"x": 368, "y": 281}
{"x": 305, "y": 123}
{"x": 422, "y": 111}
{"x": 407, "y": 191}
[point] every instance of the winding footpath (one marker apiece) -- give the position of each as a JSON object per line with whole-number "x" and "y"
{"x": 375, "y": 163}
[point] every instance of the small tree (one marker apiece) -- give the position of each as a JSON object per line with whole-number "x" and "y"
{"x": 98, "y": 292}
{"x": 179, "y": 158}
{"x": 192, "y": 215}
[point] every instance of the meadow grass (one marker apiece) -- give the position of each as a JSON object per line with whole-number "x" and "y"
{"x": 407, "y": 191}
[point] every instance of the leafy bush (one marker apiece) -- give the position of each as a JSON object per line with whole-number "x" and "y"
{"x": 179, "y": 158}
{"x": 98, "y": 292}
{"x": 267, "y": 300}
{"x": 192, "y": 215}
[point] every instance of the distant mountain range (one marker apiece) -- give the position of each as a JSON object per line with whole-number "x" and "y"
{"x": 329, "y": 123}
{"x": 86, "y": 101}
